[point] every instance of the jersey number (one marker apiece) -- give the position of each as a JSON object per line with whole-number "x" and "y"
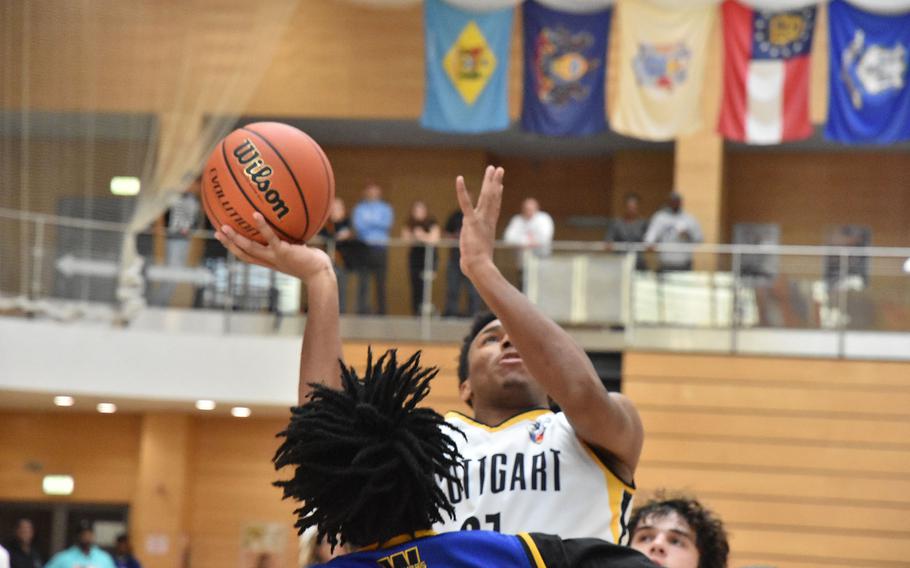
{"x": 473, "y": 523}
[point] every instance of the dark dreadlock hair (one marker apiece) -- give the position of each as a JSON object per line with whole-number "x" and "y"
{"x": 710, "y": 536}
{"x": 480, "y": 321}
{"x": 365, "y": 456}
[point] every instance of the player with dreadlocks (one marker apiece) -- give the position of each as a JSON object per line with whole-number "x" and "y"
{"x": 524, "y": 468}
{"x": 365, "y": 460}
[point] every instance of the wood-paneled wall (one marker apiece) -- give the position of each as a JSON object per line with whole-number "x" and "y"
{"x": 99, "y": 451}
{"x": 809, "y": 192}
{"x": 806, "y": 461}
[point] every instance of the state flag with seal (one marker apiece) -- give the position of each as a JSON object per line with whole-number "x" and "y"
{"x": 661, "y": 58}
{"x": 766, "y": 74}
{"x": 869, "y": 92}
{"x": 467, "y": 59}
{"x": 565, "y": 57}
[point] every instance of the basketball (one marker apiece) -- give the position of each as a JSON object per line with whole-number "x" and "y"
{"x": 274, "y": 169}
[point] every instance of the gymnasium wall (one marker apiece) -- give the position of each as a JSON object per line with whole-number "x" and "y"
{"x": 323, "y": 68}
{"x": 101, "y": 452}
{"x": 125, "y": 458}
{"x": 809, "y": 192}
{"x": 807, "y": 461}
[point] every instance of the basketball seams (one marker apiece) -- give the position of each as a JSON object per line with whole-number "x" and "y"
{"x": 230, "y": 170}
{"x": 290, "y": 171}
{"x": 329, "y": 180}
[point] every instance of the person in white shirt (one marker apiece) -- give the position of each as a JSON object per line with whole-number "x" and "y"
{"x": 4, "y": 558}
{"x": 673, "y": 225}
{"x": 531, "y": 229}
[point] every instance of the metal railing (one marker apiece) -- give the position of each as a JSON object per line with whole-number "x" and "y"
{"x": 70, "y": 268}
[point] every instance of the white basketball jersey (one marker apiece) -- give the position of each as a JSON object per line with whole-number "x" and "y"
{"x": 532, "y": 474}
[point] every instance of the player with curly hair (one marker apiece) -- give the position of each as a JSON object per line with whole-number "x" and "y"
{"x": 679, "y": 532}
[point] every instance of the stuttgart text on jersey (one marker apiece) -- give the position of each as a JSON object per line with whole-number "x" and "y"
{"x": 497, "y": 473}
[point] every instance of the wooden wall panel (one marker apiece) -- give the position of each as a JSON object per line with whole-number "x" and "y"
{"x": 807, "y": 461}
{"x": 588, "y": 181}
{"x": 648, "y": 173}
{"x": 231, "y": 477}
{"x": 101, "y": 452}
{"x": 809, "y": 192}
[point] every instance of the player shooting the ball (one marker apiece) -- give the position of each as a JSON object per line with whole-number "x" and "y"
{"x": 364, "y": 461}
{"x": 523, "y": 467}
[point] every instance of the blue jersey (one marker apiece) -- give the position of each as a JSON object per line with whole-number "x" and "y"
{"x": 483, "y": 549}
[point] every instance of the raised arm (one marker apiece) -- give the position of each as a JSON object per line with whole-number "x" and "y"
{"x": 322, "y": 337}
{"x": 607, "y": 421}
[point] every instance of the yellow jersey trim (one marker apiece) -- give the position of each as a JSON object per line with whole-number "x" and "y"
{"x": 526, "y": 415}
{"x": 400, "y": 539}
{"x": 616, "y": 487}
{"x": 535, "y": 553}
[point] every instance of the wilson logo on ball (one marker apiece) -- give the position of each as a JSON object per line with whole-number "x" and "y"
{"x": 248, "y": 155}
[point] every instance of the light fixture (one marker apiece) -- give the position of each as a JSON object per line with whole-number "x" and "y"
{"x": 205, "y": 405}
{"x": 907, "y": 266}
{"x": 64, "y": 401}
{"x": 58, "y": 484}
{"x": 241, "y": 412}
{"x": 125, "y": 185}
{"x": 107, "y": 407}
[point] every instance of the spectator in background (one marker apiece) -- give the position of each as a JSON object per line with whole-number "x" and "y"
{"x": 630, "y": 227}
{"x": 422, "y": 229}
{"x": 349, "y": 251}
{"x": 22, "y": 553}
{"x": 123, "y": 553}
{"x": 372, "y": 220}
{"x": 531, "y": 229}
{"x": 214, "y": 259}
{"x": 180, "y": 221}
{"x": 82, "y": 554}
{"x": 679, "y": 533}
{"x": 455, "y": 278}
{"x": 673, "y": 225}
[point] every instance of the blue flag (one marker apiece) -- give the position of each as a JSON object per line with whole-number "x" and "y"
{"x": 565, "y": 57}
{"x": 869, "y": 94}
{"x": 467, "y": 59}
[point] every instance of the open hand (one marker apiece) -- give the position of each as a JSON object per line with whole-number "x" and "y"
{"x": 297, "y": 260}
{"x": 478, "y": 231}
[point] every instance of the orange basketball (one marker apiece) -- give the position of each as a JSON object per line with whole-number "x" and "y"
{"x": 272, "y": 168}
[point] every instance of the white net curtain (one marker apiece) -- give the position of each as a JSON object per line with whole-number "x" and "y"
{"x": 84, "y": 99}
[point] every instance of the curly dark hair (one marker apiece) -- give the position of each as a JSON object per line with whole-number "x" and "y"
{"x": 710, "y": 536}
{"x": 480, "y": 321}
{"x": 365, "y": 457}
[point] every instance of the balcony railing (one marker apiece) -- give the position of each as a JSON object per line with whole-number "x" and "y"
{"x": 736, "y": 298}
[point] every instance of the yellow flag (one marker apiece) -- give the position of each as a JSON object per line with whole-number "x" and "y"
{"x": 662, "y": 55}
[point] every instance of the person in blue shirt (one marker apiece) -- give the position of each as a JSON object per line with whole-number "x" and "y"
{"x": 83, "y": 554}
{"x": 365, "y": 460}
{"x": 372, "y": 220}
{"x": 123, "y": 553}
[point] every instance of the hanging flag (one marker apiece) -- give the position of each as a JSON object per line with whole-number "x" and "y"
{"x": 662, "y": 53}
{"x": 766, "y": 74}
{"x": 565, "y": 57}
{"x": 467, "y": 59}
{"x": 869, "y": 100}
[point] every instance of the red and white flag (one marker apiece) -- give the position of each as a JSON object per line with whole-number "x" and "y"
{"x": 766, "y": 74}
